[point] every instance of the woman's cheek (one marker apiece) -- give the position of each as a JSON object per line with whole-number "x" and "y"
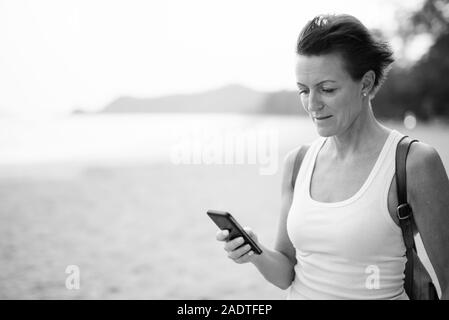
{"x": 304, "y": 103}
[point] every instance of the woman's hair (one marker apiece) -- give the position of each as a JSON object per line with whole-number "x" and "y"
{"x": 346, "y": 35}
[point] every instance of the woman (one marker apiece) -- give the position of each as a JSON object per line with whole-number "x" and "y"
{"x": 339, "y": 224}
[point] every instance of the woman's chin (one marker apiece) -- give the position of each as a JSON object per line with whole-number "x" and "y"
{"x": 325, "y": 131}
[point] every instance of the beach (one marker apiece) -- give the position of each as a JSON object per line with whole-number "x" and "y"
{"x": 134, "y": 232}
{"x": 139, "y": 230}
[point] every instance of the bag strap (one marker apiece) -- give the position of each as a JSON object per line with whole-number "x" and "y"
{"x": 298, "y": 161}
{"x": 404, "y": 211}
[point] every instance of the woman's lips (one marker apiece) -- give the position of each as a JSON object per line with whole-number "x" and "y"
{"x": 322, "y": 118}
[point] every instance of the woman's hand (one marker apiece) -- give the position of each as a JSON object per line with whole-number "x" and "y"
{"x": 236, "y": 249}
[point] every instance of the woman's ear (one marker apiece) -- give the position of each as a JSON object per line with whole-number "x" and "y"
{"x": 368, "y": 83}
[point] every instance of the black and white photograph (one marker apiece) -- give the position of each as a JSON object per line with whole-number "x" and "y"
{"x": 210, "y": 150}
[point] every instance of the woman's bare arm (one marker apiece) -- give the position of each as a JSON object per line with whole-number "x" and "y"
{"x": 283, "y": 243}
{"x": 278, "y": 267}
{"x": 428, "y": 195}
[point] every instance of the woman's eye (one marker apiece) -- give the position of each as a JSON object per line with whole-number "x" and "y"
{"x": 328, "y": 90}
{"x": 301, "y": 92}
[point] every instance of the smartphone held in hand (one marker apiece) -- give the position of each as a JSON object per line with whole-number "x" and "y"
{"x": 225, "y": 221}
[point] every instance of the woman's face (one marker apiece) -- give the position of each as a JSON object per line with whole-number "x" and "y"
{"x": 328, "y": 93}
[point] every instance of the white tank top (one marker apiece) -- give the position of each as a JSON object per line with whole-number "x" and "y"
{"x": 350, "y": 249}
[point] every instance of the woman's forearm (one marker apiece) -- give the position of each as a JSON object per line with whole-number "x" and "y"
{"x": 275, "y": 267}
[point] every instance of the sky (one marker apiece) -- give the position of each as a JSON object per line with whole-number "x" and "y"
{"x": 57, "y": 55}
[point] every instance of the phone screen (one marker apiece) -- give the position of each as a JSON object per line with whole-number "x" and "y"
{"x": 225, "y": 221}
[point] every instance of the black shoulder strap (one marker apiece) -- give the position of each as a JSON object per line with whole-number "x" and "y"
{"x": 401, "y": 158}
{"x": 404, "y": 211}
{"x": 298, "y": 160}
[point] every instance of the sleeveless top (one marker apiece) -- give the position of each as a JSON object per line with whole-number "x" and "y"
{"x": 350, "y": 249}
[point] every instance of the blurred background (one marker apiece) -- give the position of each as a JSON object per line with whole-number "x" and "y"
{"x": 123, "y": 122}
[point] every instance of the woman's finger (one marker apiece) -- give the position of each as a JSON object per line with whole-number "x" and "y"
{"x": 245, "y": 258}
{"x": 222, "y": 235}
{"x": 233, "y": 244}
{"x": 236, "y": 254}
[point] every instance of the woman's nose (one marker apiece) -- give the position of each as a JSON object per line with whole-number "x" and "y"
{"x": 315, "y": 103}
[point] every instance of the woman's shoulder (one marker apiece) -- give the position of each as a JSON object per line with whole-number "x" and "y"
{"x": 424, "y": 167}
{"x": 419, "y": 153}
{"x": 288, "y": 165}
{"x": 290, "y": 157}
{"x": 422, "y": 156}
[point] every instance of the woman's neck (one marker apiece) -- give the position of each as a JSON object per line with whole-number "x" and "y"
{"x": 364, "y": 136}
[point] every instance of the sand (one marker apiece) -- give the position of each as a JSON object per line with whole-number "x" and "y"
{"x": 139, "y": 231}
{"x": 135, "y": 232}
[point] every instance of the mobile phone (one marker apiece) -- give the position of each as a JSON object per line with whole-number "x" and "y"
{"x": 224, "y": 220}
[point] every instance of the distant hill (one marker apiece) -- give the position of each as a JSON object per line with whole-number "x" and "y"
{"x": 231, "y": 98}
{"x": 284, "y": 102}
